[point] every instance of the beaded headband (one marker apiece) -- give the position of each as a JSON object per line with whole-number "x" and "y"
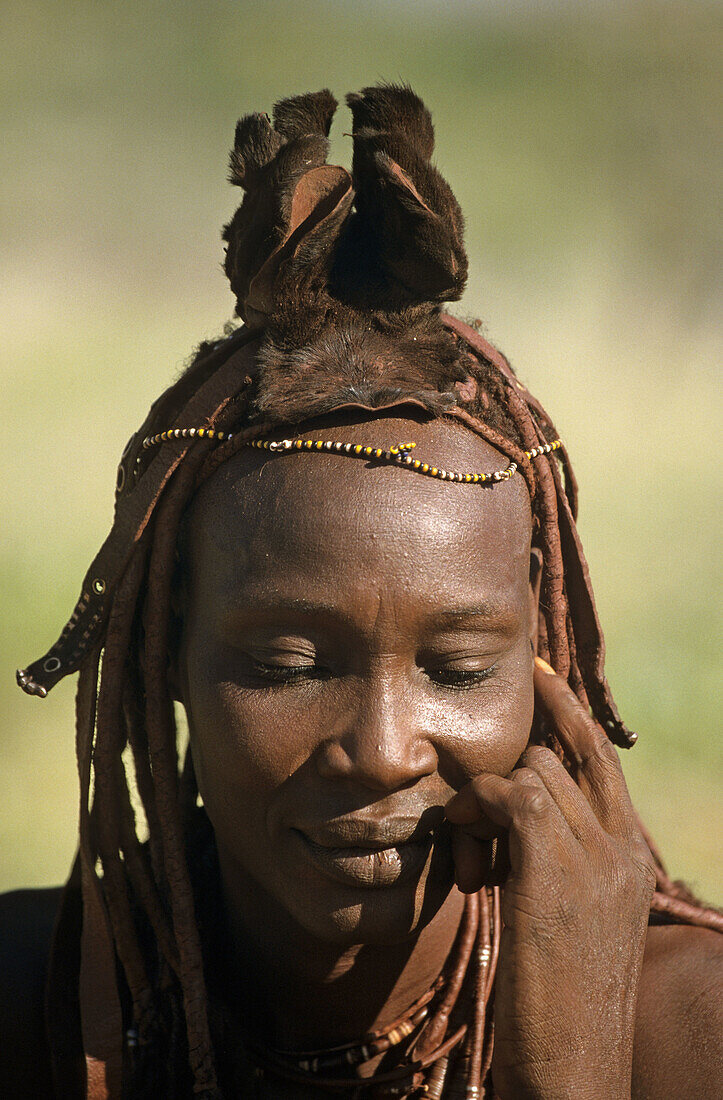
{"x": 399, "y": 455}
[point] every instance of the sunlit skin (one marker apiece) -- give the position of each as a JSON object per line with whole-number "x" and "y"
{"x": 357, "y": 655}
{"x": 355, "y": 646}
{"x": 407, "y": 612}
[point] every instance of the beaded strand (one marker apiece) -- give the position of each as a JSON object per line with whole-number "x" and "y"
{"x": 399, "y": 454}
{"x": 184, "y": 433}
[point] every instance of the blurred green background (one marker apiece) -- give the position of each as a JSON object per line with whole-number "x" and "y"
{"x": 581, "y": 140}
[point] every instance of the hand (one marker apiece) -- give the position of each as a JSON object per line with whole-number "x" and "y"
{"x": 575, "y": 908}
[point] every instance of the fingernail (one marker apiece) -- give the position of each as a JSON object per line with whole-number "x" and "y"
{"x": 544, "y": 667}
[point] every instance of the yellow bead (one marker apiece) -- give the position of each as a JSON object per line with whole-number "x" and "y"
{"x": 434, "y": 471}
{"x": 416, "y": 463}
{"x": 425, "y": 468}
{"x": 358, "y": 449}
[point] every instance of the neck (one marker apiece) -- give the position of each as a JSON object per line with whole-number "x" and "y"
{"x": 304, "y": 993}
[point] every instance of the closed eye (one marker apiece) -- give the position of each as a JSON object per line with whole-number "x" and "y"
{"x": 460, "y": 679}
{"x": 286, "y": 674}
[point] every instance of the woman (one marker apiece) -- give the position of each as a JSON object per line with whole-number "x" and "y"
{"x": 400, "y": 858}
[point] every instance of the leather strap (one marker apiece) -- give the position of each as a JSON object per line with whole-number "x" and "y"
{"x": 228, "y": 369}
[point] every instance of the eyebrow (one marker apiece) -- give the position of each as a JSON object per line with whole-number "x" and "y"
{"x": 297, "y": 605}
{"x": 493, "y": 613}
{"x": 476, "y": 611}
{"x": 494, "y": 617}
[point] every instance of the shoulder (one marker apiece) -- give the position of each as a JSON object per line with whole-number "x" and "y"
{"x": 27, "y": 919}
{"x": 679, "y": 1024}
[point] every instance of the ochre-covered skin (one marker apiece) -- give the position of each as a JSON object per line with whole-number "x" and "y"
{"x": 401, "y": 587}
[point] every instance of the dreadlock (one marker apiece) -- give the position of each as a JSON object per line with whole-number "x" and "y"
{"x": 340, "y": 279}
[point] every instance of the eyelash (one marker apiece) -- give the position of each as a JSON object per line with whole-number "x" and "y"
{"x": 451, "y": 679}
{"x": 461, "y": 679}
{"x": 287, "y": 674}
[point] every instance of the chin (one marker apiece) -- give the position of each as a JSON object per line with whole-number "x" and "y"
{"x": 379, "y": 916}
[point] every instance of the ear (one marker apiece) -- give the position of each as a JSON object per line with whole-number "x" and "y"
{"x": 534, "y": 593}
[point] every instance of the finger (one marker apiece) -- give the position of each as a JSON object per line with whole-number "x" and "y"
{"x": 520, "y": 804}
{"x": 565, "y": 792}
{"x": 478, "y": 863}
{"x": 464, "y": 809}
{"x": 472, "y": 861}
{"x": 490, "y": 798}
{"x": 596, "y": 762}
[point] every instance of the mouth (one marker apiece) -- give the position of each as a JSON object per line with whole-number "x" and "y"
{"x": 379, "y": 861}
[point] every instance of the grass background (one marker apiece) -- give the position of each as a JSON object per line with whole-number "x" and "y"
{"x": 581, "y": 141}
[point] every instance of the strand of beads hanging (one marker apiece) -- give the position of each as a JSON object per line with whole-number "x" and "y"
{"x": 341, "y": 1069}
{"x": 360, "y": 1052}
{"x": 400, "y": 454}
{"x": 184, "y": 433}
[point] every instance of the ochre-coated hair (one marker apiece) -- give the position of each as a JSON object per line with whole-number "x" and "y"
{"x": 340, "y": 279}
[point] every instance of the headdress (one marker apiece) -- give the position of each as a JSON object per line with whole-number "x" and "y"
{"x": 330, "y": 269}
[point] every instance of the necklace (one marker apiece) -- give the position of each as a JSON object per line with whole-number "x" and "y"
{"x": 442, "y": 1044}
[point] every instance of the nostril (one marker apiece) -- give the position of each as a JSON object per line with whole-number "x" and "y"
{"x": 387, "y": 763}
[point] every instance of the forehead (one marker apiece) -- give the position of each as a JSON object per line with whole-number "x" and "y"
{"x": 307, "y": 520}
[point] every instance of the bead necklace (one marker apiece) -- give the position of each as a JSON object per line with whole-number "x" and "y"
{"x": 448, "y": 1030}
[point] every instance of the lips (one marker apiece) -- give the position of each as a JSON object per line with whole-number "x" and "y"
{"x": 370, "y": 855}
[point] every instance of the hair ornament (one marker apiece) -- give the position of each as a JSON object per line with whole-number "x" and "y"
{"x": 399, "y": 455}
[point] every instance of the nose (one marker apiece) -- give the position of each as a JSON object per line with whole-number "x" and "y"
{"x": 378, "y": 743}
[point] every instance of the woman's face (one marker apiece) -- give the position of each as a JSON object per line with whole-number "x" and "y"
{"x": 356, "y": 647}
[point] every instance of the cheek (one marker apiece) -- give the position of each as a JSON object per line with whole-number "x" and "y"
{"x": 493, "y": 730}
{"x": 239, "y": 757}
{"x": 234, "y": 750}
